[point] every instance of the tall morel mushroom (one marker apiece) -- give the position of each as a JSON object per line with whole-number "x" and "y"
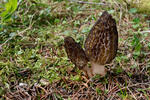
{"x": 102, "y": 43}
{"x": 100, "y": 46}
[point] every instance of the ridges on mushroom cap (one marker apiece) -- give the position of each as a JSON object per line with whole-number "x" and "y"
{"x": 102, "y": 41}
{"x": 75, "y": 52}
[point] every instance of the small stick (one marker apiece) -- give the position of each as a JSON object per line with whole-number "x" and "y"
{"x": 131, "y": 93}
{"x": 83, "y": 2}
{"x": 148, "y": 31}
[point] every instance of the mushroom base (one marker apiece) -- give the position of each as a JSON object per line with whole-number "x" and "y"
{"x": 95, "y": 69}
{"x": 98, "y": 69}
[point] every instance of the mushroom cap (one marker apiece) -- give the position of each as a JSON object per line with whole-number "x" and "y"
{"x": 102, "y": 42}
{"x": 75, "y": 52}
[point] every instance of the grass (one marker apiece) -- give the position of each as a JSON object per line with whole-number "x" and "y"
{"x": 33, "y": 57}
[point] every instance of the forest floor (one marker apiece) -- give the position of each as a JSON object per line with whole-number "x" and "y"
{"x": 34, "y": 64}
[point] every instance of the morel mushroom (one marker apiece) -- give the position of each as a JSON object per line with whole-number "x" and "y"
{"x": 75, "y": 53}
{"x": 102, "y": 43}
{"x": 100, "y": 46}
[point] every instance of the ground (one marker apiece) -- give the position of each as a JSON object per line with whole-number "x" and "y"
{"x": 34, "y": 64}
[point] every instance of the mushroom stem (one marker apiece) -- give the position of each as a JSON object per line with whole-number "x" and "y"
{"x": 98, "y": 69}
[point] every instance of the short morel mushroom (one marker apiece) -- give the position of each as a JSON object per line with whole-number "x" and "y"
{"x": 75, "y": 53}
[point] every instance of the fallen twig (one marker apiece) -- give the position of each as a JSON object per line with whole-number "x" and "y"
{"x": 83, "y": 2}
{"x": 132, "y": 93}
{"x": 148, "y": 31}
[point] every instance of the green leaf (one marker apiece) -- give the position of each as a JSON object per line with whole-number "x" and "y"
{"x": 10, "y": 7}
{"x": 76, "y": 78}
{"x": 133, "y": 10}
{"x": 149, "y": 45}
{"x": 137, "y": 46}
{"x": 136, "y": 20}
{"x": 99, "y": 91}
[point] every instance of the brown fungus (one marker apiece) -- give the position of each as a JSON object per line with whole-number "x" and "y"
{"x": 100, "y": 46}
{"x": 75, "y": 53}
